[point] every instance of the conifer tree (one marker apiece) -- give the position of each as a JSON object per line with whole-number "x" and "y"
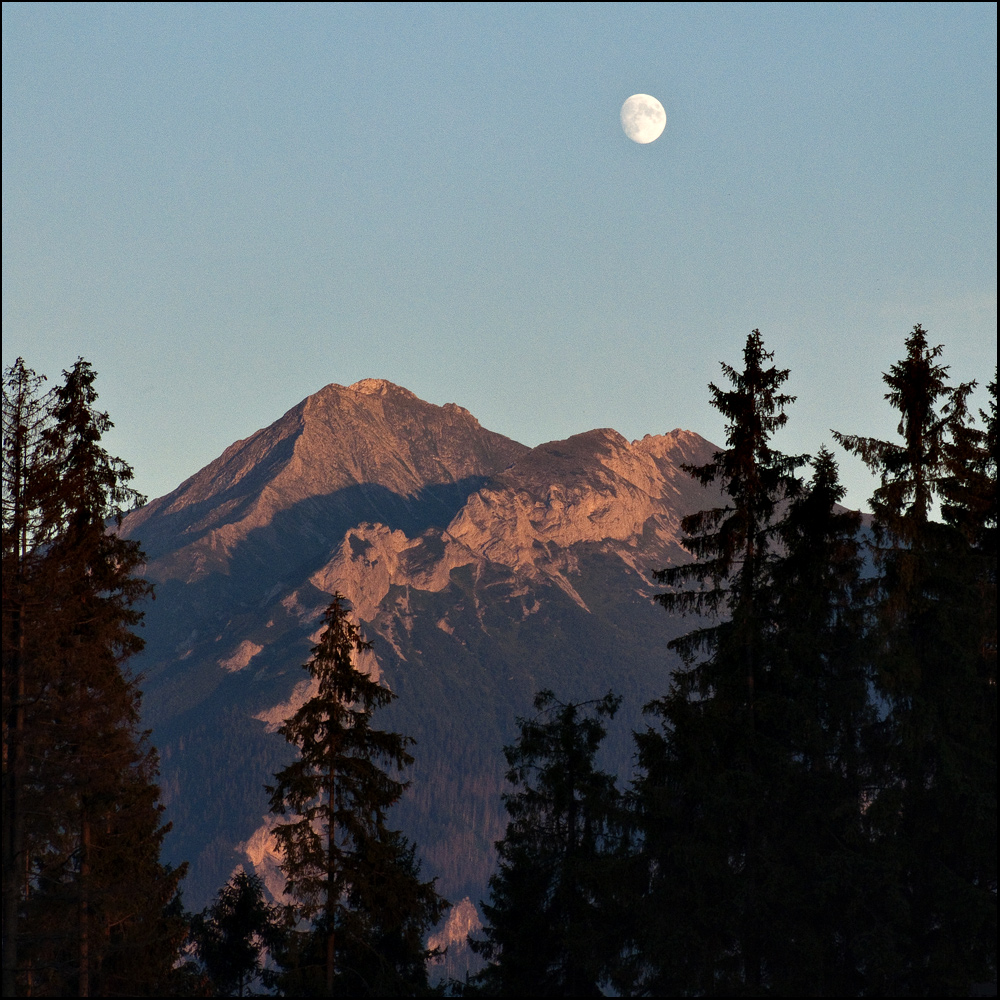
{"x": 82, "y": 773}
{"x": 935, "y": 813}
{"x": 733, "y": 544}
{"x": 738, "y": 754}
{"x": 232, "y": 935}
{"x": 357, "y": 880}
{"x": 550, "y": 927}
{"x": 25, "y": 418}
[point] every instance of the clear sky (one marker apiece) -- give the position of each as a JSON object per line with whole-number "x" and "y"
{"x": 225, "y": 207}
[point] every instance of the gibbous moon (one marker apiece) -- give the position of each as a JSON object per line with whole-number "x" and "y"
{"x": 643, "y": 118}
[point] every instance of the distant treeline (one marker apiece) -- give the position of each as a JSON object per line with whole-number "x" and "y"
{"x": 814, "y": 807}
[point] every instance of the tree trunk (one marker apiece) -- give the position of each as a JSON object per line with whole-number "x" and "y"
{"x": 331, "y": 872}
{"x": 84, "y": 914}
{"x": 13, "y": 819}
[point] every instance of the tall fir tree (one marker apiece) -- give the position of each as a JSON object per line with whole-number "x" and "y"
{"x": 702, "y": 795}
{"x": 935, "y": 813}
{"x": 551, "y": 921}
{"x": 353, "y": 877}
{"x": 92, "y": 903}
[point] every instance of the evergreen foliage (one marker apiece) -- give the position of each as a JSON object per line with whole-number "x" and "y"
{"x": 233, "y": 934}
{"x": 550, "y": 928}
{"x": 817, "y": 807}
{"x": 80, "y": 800}
{"x": 711, "y": 796}
{"x": 356, "y": 880}
{"x": 934, "y": 815}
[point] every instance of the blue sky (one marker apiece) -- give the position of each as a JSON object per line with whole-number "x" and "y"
{"x": 226, "y": 207}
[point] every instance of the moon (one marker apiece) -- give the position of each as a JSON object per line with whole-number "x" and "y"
{"x": 643, "y": 118}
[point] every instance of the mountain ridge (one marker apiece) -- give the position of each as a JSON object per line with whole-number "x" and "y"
{"x": 289, "y": 451}
{"x": 481, "y": 569}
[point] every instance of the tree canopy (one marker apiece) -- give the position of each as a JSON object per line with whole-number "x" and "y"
{"x": 232, "y": 936}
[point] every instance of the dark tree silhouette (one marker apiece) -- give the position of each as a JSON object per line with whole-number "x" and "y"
{"x": 549, "y": 930}
{"x": 81, "y": 779}
{"x": 703, "y": 792}
{"x": 233, "y": 935}
{"x": 934, "y": 815}
{"x": 354, "y": 878}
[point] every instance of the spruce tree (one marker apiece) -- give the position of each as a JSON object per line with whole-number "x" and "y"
{"x": 550, "y": 923}
{"x": 705, "y": 812}
{"x": 93, "y": 898}
{"x": 969, "y": 495}
{"x": 355, "y": 879}
{"x": 749, "y": 793}
{"x": 935, "y": 812}
{"x": 232, "y": 936}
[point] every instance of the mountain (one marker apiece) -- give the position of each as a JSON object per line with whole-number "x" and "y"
{"x": 482, "y": 571}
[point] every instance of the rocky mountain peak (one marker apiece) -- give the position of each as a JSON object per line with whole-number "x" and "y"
{"x": 373, "y": 441}
{"x": 379, "y": 387}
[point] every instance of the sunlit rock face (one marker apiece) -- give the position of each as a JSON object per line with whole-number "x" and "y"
{"x": 481, "y": 570}
{"x": 456, "y": 959}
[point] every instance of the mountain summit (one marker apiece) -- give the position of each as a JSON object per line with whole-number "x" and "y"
{"x": 481, "y": 570}
{"x": 372, "y": 435}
